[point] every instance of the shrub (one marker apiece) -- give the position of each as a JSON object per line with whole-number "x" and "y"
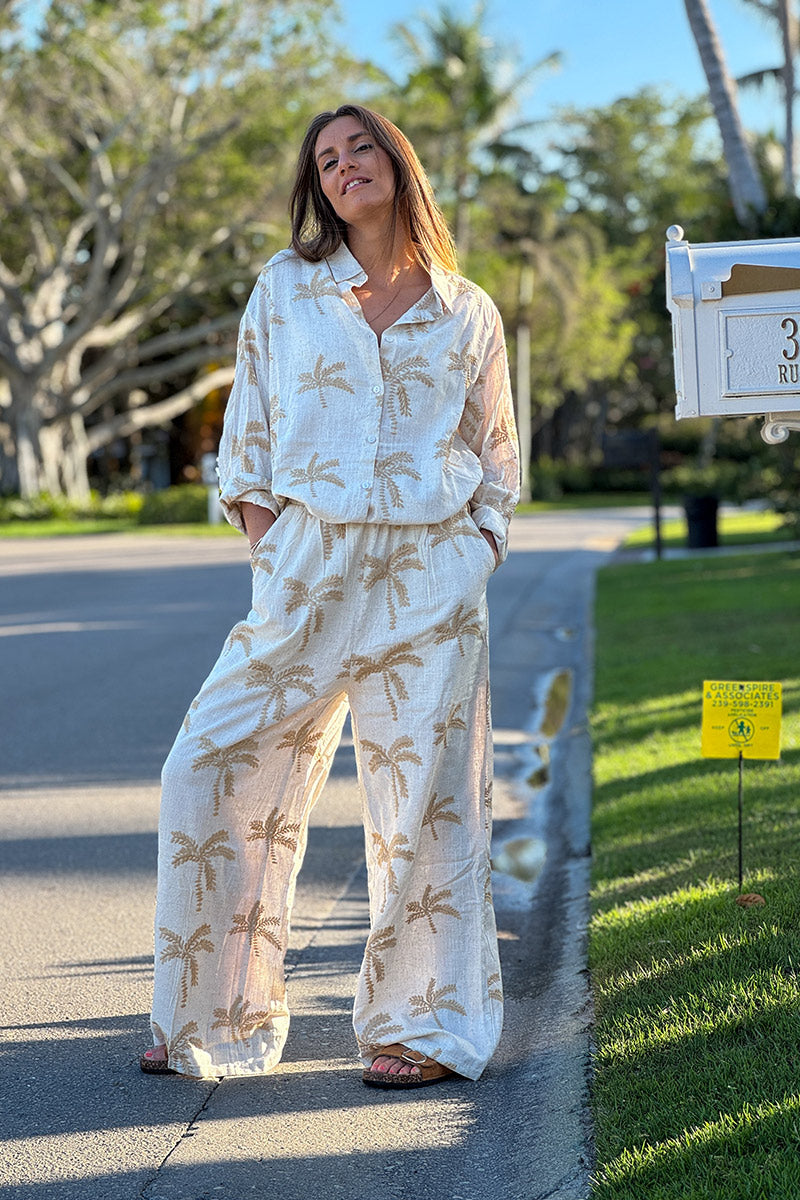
{"x": 185, "y": 504}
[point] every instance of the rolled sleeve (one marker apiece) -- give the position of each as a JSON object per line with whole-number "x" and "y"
{"x": 495, "y": 443}
{"x": 245, "y": 459}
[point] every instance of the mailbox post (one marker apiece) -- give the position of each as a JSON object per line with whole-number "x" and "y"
{"x": 735, "y": 310}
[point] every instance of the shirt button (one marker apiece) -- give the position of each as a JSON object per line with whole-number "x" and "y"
{"x": 372, "y": 438}
{"x": 366, "y": 485}
{"x": 377, "y": 389}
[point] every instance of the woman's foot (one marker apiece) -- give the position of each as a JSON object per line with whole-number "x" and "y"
{"x": 399, "y": 1067}
{"x": 154, "y": 1062}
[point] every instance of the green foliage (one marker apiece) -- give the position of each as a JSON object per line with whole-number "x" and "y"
{"x": 185, "y": 504}
{"x": 122, "y": 506}
{"x": 697, "y": 1000}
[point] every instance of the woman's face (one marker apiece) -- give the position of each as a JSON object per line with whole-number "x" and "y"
{"x": 356, "y": 174}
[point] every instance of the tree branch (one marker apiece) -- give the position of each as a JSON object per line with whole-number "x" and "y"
{"x": 127, "y": 423}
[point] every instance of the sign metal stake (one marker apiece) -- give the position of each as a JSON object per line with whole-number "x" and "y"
{"x": 741, "y": 789}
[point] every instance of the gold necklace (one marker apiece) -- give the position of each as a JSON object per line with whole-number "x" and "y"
{"x": 390, "y": 301}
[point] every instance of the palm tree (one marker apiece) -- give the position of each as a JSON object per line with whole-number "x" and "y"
{"x": 323, "y": 377}
{"x": 385, "y": 853}
{"x": 304, "y": 741}
{"x": 223, "y": 759}
{"x": 465, "y": 362}
{"x": 493, "y": 986}
{"x": 186, "y": 952}
{"x": 434, "y": 1000}
{"x": 276, "y": 684}
{"x": 747, "y": 191}
{"x": 459, "y": 626}
{"x": 320, "y": 285}
{"x": 376, "y": 570}
{"x": 331, "y": 531}
{"x": 238, "y": 1021}
{"x": 453, "y": 720}
{"x": 254, "y": 432}
{"x": 386, "y": 468}
{"x": 190, "y": 852}
{"x": 399, "y": 751}
{"x": 429, "y": 904}
{"x": 457, "y": 526}
{"x": 242, "y": 632}
{"x": 247, "y": 350}
{"x": 396, "y": 376}
{"x": 784, "y": 13}
{"x": 439, "y": 810}
{"x": 275, "y": 831}
{"x": 379, "y": 941}
{"x": 378, "y": 1031}
{"x": 361, "y": 667}
{"x": 317, "y": 472}
{"x": 255, "y": 925}
{"x": 458, "y": 110}
{"x": 178, "y": 1045}
{"x": 314, "y": 599}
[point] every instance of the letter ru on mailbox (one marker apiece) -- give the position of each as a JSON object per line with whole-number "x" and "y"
{"x": 735, "y": 310}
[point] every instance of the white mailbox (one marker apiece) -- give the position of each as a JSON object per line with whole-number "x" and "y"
{"x": 736, "y": 329}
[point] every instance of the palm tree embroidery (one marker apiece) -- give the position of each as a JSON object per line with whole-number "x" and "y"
{"x": 254, "y": 438}
{"x": 193, "y": 707}
{"x": 453, "y": 720}
{"x": 494, "y": 988}
{"x": 303, "y": 741}
{"x": 457, "y": 526}
{"x": 385, "y": 853}
{"x": 378, "y": 1031}
{"x": 177, "y": 1048}
{"x": 223, "y": 759}
{"x": 248, "y": 351}
{"x": 276, "y": 684}
{"x": 259, "y": 561}
{"x": 429, "y": 904}
{"x": 471, "y": 423}
{"x": 378, "y": 943}
{"x": 240, "y": 633}
{"x": 439, "y": 810}
{"x": 314, "y": 599}
{"x": 385, "y": 470}
{"x": 395, "y": 377}
{"x": 361, "y": 667}
{"x": 317, "y": 472}
{"x": 434, "y": 1000}
{"x": 330, "y": 531}
{"x": 240, "y": 1023}
{"x": 499, "y": 436}
{"x": 186, "y": 952}
{"x": 320, "y": 285}
{"x": 190, "y": 852}
{"x": 465, "y": 362}
{"x": 255, "y": 925}
{"x": 276, "y": 414}
{"x": 324, "y": 377}
{"x": 458, "y": 627}
{"x": 399, "y": 751}
{"x": 444, "y": 445}
{"x": 377, "y": 570}
{"x": 275, "y": 831}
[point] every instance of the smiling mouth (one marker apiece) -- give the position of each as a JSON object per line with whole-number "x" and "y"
{"x": 351, "y": 183}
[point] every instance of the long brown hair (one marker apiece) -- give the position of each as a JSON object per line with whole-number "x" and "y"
{"x": 317, "y": 231}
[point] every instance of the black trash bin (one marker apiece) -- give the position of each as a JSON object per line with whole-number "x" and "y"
{"x": 701, "y": 521}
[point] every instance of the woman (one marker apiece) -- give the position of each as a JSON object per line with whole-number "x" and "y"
{"x": 369, "y": 454}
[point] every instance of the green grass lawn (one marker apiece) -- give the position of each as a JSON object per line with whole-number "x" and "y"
{"x": 734, "y": 528}
{"x": 696, "y": 1091}
{"x": 65, "y": 527}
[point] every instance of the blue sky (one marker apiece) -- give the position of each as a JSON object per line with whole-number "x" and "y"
{"x": 610, "y": 48}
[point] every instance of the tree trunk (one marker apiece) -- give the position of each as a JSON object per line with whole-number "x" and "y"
{"x": 747, "y": 192}
{"x": 51, "y": 455}
{"x": 788, "y": 21}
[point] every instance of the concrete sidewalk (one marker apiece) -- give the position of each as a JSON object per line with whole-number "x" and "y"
{"x": 103, "y": 639}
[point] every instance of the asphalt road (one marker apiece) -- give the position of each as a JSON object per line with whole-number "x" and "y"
{"x": 103, "y": 643}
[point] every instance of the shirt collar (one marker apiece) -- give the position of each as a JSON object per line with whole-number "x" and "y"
{"x": 345, "y": 268}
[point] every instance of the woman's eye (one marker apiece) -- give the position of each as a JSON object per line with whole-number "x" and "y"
{"x": 331, "y": 162}
{"x": 365, "y": 146}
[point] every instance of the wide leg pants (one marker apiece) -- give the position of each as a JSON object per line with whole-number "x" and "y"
{"x": 390, "y": 621}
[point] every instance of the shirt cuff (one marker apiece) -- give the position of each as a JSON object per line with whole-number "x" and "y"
{"x": 490, "y": 520}
{"x": 243, "y": 489}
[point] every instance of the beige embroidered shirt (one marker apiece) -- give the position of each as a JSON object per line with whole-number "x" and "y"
{"x": 405, "y": 431}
